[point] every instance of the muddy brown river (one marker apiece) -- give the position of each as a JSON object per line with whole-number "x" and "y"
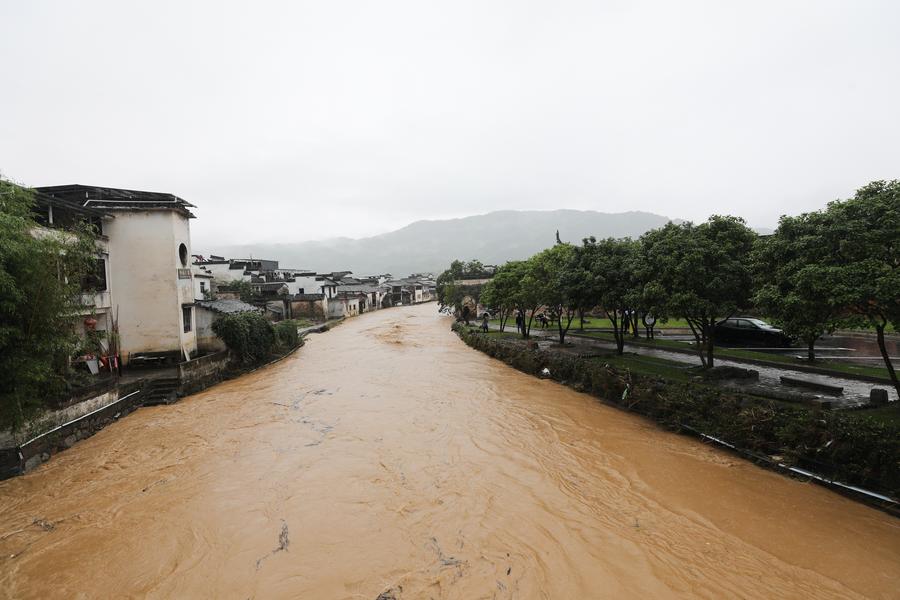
{"x": 387, "y": 458}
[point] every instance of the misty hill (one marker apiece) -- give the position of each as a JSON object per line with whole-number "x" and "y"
{"x": 429, "y": 246}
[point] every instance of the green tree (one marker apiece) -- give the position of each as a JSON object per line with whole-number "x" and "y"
{"x": 527, "y": 297}
{"x": 578, "y": 279}
{"x": 862, "y": 236}
{"x": 704, "y": 273}
{"x": 612, "y": 265}
{"x": 558, "y": 291}
{"x": 243, "y": 289}
{"x": 500, "y": 294}
{"x": 797, "y": 279}
{"x": 41, "y": 276}
{"x": 450, "y": 292}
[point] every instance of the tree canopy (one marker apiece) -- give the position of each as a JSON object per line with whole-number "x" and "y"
{"x": 704, "y": 273}
{"x": 797, "y": 280}
{"x": 452, "y": 293}
{"x": 41, "y": 283}
{"x": 840, "y": 265}
{"x": 612, "y": 267}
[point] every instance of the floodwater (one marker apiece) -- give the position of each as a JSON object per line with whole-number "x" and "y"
{"x": 386, "y": 458}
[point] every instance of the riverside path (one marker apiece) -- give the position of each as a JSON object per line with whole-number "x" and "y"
{"x": 386, "y": 459}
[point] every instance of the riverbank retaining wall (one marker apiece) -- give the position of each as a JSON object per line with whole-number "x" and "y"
{"x": 60, "y": 429}
{"x": 94, "y": 407}
{"x": 203, "y": 372}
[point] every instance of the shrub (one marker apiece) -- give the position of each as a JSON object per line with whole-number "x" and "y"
{"x": 286, "y": 334}
{"x": 248, "y": 335}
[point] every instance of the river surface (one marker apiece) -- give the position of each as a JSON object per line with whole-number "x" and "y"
{"x": 386, "y": 457}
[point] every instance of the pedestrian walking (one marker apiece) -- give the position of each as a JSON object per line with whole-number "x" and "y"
{"x": 484, "y": 322}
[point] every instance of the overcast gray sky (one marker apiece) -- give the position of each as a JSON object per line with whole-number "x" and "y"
{"x": 301, "y": 120}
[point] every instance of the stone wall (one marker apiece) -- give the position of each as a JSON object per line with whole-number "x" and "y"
{"x": 203, "y": 372}
{"x": 60, "y": 429}
{"x": 314, "y": 309}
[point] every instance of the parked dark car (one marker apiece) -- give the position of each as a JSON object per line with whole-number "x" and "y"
{"x": 748, "y": 331}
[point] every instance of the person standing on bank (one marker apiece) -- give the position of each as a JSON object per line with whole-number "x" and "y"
{"x": 484, "y": 322}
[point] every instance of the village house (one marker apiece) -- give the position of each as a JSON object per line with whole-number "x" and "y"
{"x": 204, "y": 284}
{"x": 149, "y": 282}
{"x": 208, "y": 312}
{"x": 372, "y": 296}
{"x": 311, "y": 306}
{"x": 284, "y": 292}
{"x": 328, "y": 286}
{"x": 222, "y": 269}
{"x": 292, "y": 293}
{"x": 412, "y": 290}
{"x": 346, "y": 304}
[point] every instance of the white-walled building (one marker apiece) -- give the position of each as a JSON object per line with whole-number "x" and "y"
{"x": 203, "y": 285}
{"x": 345, "y": 304}
{"x": 150, "y": 282}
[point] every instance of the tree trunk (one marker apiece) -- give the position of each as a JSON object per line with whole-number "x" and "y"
{"x": 636, "y": 333}
{"x": 811, "y": 349}
{"x": 887, "y": 359}
{"x": 698, "y": 339}
{"x": 618, "y": 334}
{"x": 710, "y": 344}
{"x": 581, "y": 319}
{"x": 570, "y": 316}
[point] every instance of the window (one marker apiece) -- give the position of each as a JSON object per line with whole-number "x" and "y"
{"x": 183, "y": 255}
{"x": 186, "y": 317}
{"x": 202, "y": 287}
{"x": 95, "y": 280}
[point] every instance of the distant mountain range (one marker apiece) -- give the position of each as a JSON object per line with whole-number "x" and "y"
{"x": 429, "y": 246}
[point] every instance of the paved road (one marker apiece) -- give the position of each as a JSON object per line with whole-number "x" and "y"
{"x": 386, "y": 459}
{"x": 855, "y": 392}
{"x": 858, "y": 348}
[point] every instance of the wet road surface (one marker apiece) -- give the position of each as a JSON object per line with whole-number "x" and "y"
{"x": 386, "y": 457}
{"x": 855, "y": 391}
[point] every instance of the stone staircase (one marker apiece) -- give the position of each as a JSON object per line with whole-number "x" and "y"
{"x": 163, "y": 390}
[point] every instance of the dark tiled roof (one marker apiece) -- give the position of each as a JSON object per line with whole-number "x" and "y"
{"x": 111, "y": 199}
{"x": 43, "y": 199}
{"x": 227, "y": 306}
{"x": 310, "y": 297}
